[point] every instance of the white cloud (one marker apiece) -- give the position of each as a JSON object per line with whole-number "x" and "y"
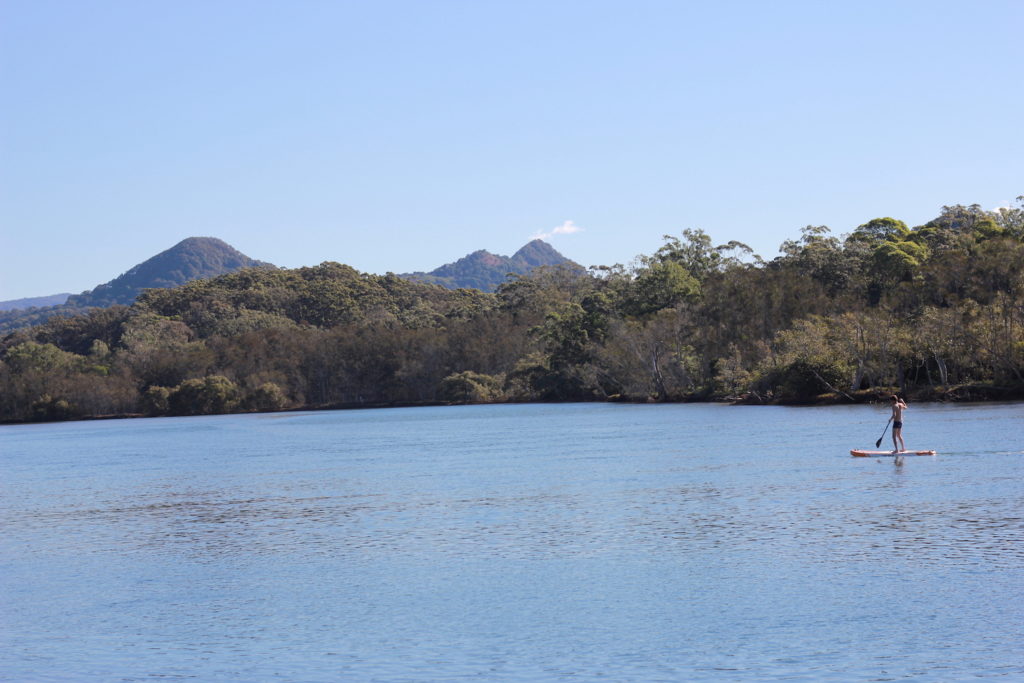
{"x": 566, "y": 228}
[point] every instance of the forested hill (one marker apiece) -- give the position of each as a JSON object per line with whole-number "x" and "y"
{"x": 190, "y": 259}
{"x": 934, "y": 312}
{"x": 486, "y": 271}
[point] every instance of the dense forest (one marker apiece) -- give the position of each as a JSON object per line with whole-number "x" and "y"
{"x": 935, "y": 312}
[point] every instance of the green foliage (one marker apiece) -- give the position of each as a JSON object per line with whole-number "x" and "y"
{"x": 328, "y": 295}
{"x": 566, "y": 336}
{"x": 651, "y": 359}
{"x": 99, "y": 350}
{"x": 47, "y": 408}
{"x": 820, "y": 257}
{"x": 471, "y": 387}
{"x": 210, "y": 395}
{"x": 33, "y": 357}
{"x": 266, "y": 397}
{"x": 156, "y": 400}
{"x": 899, "y": 260}
{"x": 659, "y": 286}
{"x": 803, "y": 380}
{"x": 694, "y": 253}
{"x": 161, "y": 351}
{"x": 879, "y": 230}
{"x": 1011, "y": 219}
{"x": 732, "y": 376}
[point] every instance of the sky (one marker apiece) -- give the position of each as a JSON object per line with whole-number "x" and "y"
{"x": 401, "y": 135}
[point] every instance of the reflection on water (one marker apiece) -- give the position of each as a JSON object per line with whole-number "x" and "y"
{"x": 515, "y": 542}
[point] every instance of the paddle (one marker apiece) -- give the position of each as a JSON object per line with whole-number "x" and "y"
{"x": 879, "y": 442}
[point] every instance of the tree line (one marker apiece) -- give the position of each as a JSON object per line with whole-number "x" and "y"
{"x": 935, "y": 312}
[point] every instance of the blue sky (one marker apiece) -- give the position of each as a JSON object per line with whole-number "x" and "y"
{"x": 402, "y": 135}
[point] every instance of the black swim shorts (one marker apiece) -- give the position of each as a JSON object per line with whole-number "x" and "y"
{"x": 897, "y": 425}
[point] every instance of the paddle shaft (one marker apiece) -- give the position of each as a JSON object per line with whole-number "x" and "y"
{"x": 879, "y": 442}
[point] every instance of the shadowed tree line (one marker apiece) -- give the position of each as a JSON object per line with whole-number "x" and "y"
{"x": 935, "y": 312}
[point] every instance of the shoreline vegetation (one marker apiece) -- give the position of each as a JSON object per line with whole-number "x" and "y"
{"x": 933, "y": 313}
{"x": 975, "y": 393}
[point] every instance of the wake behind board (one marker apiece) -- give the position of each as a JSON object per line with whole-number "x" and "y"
{"x": 879, "y": 454}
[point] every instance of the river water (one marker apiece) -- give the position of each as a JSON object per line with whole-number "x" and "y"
{"x": 518, "y": 542}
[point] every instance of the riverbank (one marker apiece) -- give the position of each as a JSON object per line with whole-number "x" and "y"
{"x": 964, "y": 393}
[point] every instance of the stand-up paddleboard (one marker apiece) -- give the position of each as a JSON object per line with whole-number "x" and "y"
{"x": 878, "y": 454}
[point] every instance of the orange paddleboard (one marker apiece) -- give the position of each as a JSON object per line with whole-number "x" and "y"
{"x": 876, "y": 454}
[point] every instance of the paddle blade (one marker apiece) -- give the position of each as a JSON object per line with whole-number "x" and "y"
{"x": 879, "y": 442}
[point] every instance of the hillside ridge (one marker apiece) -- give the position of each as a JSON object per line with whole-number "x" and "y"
{"x": 194, "y": 258}
{"x": 486, "y": 271}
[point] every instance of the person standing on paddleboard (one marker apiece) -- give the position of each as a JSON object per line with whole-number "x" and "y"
{"x": 898, "y": 406}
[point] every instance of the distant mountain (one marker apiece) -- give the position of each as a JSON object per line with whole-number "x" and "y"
{"x": 191, "y": 259}
{"x": 205, "y": 257}
{"x": 34, "y": 302}
{"x": 485, "y": 271}
{"x": 195, "y": 258}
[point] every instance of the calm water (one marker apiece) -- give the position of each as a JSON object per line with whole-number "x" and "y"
{"x": 540, "y": 542}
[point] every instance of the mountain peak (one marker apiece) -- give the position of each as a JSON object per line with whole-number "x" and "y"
{"x": 538, "y": 253}
{"x": 192, "y": 258}
{"x": 481, "y": 256}
{"x": 203, "y": 243}
{"x": 486, "y": 271}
